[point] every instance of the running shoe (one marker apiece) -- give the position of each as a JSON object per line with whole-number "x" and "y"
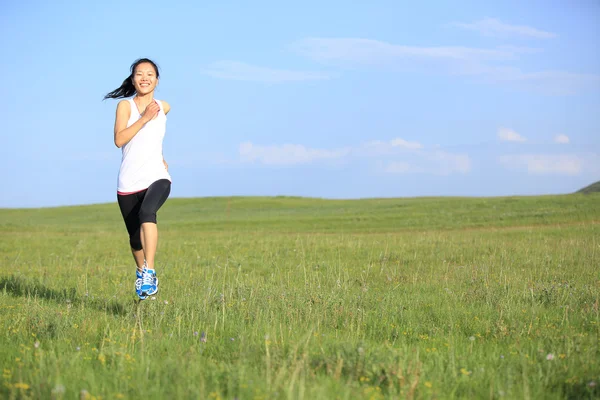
{"x": 149, "y": 282}
{"x": 138, "y": 285}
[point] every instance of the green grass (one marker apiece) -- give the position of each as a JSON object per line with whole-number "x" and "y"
{"x": 593, "y": 188}
{"x": 307, "y": 299}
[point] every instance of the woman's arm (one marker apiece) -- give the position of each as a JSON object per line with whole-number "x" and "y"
{"x": 123, "y": 134}
{"x": 167, "y": 108}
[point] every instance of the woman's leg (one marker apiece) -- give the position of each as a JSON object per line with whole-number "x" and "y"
{"x": 130, "y": 205}
{"x": 155, "y": 197}
{"x": 149, "y": 236}
{"x": 138, "y": 256}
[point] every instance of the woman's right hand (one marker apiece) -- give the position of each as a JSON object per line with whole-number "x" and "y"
{"x": 150, "y": 112}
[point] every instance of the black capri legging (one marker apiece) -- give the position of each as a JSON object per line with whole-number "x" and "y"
{"x": 141, "y": 207}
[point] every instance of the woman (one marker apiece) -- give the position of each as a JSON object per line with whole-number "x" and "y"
{"x": 144, "y": 182}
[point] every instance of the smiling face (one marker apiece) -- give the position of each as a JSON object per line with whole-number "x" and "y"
{"x": 144, "y": 78}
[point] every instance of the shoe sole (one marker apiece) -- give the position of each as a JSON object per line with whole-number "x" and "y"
{"x": 141, "y": 295}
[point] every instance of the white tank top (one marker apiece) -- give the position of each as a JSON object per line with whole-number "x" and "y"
{"x": 142, "y": 161}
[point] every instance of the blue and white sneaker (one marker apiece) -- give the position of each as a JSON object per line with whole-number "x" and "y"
{"x": 138, "y": 284}
{"x": 149, "y": 282}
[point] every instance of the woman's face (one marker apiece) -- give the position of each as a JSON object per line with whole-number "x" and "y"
{"x": 144, "y": 78}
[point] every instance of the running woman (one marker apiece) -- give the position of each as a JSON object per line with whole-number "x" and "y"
{"x": 144, "y": 183}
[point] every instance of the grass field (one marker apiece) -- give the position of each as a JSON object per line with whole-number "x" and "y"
{"x": 294, "y": 298}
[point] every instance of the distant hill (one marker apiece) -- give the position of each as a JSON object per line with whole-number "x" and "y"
{"x": 593, "y": 188}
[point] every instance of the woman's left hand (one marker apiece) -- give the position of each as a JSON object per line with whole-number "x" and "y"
{"x": 166, "y": 165}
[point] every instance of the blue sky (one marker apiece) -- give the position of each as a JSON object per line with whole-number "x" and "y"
{"x": 322, "y": 99}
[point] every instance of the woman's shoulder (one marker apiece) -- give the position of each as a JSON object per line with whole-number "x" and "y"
{"x": 166, "y": 106}
{"x": 124, "y": 104}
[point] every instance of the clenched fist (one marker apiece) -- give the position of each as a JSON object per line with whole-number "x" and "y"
{"x": 150, "y": 112}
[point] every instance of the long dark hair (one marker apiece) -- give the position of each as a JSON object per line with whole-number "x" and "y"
{"x": 127, "y": 89}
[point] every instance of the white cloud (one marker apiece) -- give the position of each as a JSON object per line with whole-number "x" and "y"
{"x": 497, "y": 28}
{"x": 435, "y": 163}
{"x": 520, "y": 49}
{"x": 508, "y": 135}
{"x": 246, "y": 72}
{"x": 287, "y": 154}
{"x": 488, "y": 65}
{"x": 544, "y": 164}
{"x": 368, "y": 51}
{"x": 398, "y": 142}
{"x": 378, "y": 148}
{"x": 397, "y": 156}
{"x": 562, "y": 139}
{"x": 374, "y": 148}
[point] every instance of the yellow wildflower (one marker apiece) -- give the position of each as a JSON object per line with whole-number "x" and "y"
{"x": 21, "y": 385}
